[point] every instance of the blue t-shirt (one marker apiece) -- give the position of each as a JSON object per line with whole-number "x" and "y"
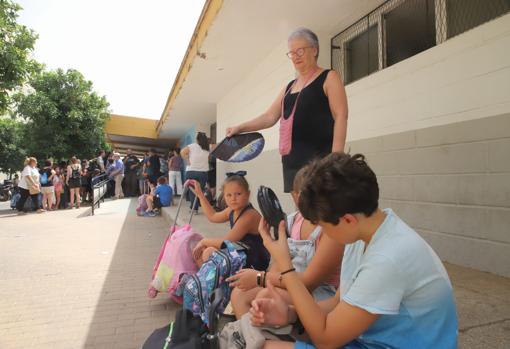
{"x": 401, "y": 278}
{"x": 165, "y": 193}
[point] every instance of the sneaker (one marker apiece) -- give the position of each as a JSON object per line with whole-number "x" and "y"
{"x": 150, "y": 214}
{"x": 40, "y": 210}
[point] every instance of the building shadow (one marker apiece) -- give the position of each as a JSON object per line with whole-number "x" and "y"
{"x": 124, "y": 316}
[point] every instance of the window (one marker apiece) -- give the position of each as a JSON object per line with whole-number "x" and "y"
{"x": 400, "y": 29}
{"x": 409, "y": 30}
{"x": 463, "y": 15}
{"x": 361, "y": 55}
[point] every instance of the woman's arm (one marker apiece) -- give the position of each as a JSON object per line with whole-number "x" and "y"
{"x": 335, "y": 91}
{"x": 243, "y": 225}
{"x": 185, "y": 153}
{"x": 265, "y": 120}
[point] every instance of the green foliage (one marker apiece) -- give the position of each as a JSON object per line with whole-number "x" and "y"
{"x": 64, "y": 116}
{"x": 12, "y": 147}
{"x": 16, "y": 45}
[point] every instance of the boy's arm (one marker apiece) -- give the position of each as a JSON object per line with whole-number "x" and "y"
{"x": 334, "y": 329}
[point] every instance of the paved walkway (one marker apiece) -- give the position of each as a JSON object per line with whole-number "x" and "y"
{"x": 69, "y": 280}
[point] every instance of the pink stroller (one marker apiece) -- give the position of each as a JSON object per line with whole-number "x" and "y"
{"x": 175, "y": 256}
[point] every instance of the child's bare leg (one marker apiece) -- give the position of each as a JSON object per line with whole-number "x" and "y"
{"x": 241, "y": 300}
{"x": 207, "y": 253}
{"x": 149, "y": 202}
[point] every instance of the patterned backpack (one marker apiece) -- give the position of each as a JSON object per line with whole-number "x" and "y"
{"x": 198, "y": 287}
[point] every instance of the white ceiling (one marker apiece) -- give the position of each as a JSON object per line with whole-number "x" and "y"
{"x": 244, "y": 32}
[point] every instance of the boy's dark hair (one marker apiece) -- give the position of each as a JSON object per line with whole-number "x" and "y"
{"x": 336, "y": 185}
{"x": 48, "y": 163}
{"x": 162, "y": 180}
{"x": 100, "y": 152}
{"x": 203, "y": 141}
{"x": 178, "y": 151}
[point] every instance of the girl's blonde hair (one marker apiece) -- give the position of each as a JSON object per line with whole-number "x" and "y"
{"x": 29, "y": 160}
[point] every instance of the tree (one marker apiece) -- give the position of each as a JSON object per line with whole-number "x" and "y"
{"x": 16, "y": 45}
{"x": 12, "y": 152}
{"x": 64, "y": 116}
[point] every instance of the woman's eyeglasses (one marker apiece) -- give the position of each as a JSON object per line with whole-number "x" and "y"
{"x": 298, "y": 53}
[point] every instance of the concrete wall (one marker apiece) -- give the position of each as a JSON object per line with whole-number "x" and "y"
{"x": 435, "y": 129}
{"x": 452, "y": 184}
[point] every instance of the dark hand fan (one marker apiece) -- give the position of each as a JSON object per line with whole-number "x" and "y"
{"x": 239, "y": 148}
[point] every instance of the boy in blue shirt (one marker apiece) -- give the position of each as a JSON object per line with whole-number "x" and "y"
{"x": 161, "y": 196}
{"x": 394, "y": 291}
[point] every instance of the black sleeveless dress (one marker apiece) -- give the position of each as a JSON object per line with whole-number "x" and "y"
{"x": 312, "y": 129}
{"x": 257, "y": 257}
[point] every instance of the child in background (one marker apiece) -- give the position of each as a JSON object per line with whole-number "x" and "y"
{"x": 243, "y": 218}
{"x": 58, "y": 179}
{"x": 394, "y": 291}
{"x": 315, "y": 256}
{"x": 161, "y": 196}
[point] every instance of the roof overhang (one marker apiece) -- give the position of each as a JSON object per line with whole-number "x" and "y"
{"x": 138, "y": 134}
{"x": 234, "y": 36}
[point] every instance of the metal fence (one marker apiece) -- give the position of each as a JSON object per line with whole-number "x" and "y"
{"x": 99, "y": 188}
{"x": 399, "y": 29}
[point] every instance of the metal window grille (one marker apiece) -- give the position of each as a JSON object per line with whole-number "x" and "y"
{"x": 399, "y": 29}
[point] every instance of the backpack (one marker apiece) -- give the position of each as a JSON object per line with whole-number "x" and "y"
{"x": 75, "y": 174}
{"x": 175, "y": 258}
{"x": 197, "y": 288}
{"x": 44, "y": 178}
{"x": 93, "y": 165}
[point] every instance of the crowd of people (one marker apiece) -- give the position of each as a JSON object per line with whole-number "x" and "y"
{"x": 69, "y": 184}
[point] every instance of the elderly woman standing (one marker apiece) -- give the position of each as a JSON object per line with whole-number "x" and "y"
{"x": 312, "y": 109}
{"x": 29, "y": 186}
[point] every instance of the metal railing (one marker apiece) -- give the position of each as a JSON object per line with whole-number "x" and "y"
{"x": 99, "y": 188}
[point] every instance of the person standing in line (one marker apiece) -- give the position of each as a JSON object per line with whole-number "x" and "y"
{"x": 73, "y": 181}
{"x": 47, "y": 187}
{"x": 174, "y": 174}
{"x": 197, "y": 155}
{"x": 100, "y": 160}
{"x": 153, "y": 166}
{"x": 163, "y": 166}
{"x": 118, "y": 175}
{"x": 29, "y": 186}
{"x": 58, "y": 179}
{"x": 130, "y": 168}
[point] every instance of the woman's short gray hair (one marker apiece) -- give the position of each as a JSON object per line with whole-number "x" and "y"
{"x": 308, "y": 35}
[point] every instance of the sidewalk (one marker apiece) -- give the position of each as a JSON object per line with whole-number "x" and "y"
{"x": 70, "y": 280}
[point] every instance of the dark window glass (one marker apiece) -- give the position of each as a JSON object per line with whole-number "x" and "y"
{"x": 462, "y": 15}
{"x": 410, "y": 29}
{"x": 361, "y": 55}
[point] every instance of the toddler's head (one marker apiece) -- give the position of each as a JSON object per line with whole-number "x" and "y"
{"x": 297, "y": 184}
{"x": 236, "y": 191}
